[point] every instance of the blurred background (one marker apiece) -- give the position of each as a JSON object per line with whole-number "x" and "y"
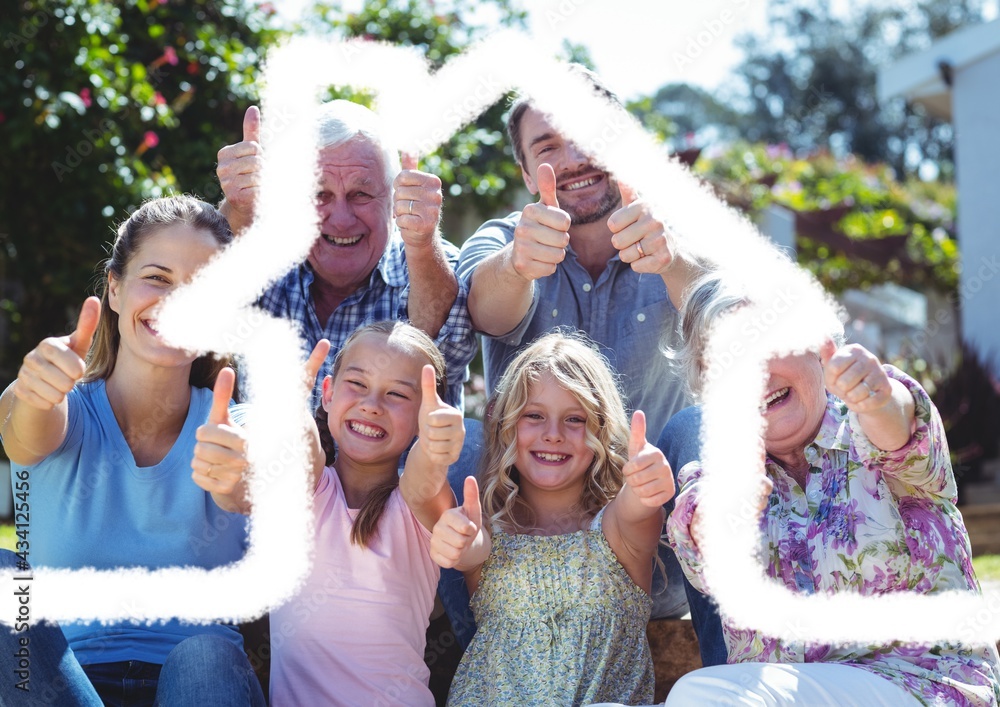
{"x": 862, "y": 136}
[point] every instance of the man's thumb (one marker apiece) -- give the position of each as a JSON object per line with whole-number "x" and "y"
{"x": 627, "y": 192}
{"x": 86, "y": 325}
{"x": 472, "y": 507}
{"x": 251, "y": 125}
{"x": 546, "y": 181}
{"x": 408, "y": 161}
{"x": 637, "y": 437}
{"x": 222, "y": 393}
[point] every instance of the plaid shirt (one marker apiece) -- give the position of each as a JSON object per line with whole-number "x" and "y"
{"x": 385, "y": 297}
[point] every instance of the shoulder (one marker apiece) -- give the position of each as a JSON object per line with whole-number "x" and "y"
{"x": 491, "y": 236}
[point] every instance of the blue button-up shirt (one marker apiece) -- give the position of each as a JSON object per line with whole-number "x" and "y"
{"x": 628, "y": 315}
{"x": 385, "y": 297}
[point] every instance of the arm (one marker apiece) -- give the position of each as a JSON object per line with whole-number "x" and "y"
{"x": 416, "y": 199}
{"x": 239, "y": 174}
{"x": 34, "y": 408}
{"x": 459, "y": 539}
{"x": 633, "y": 521}
{"x": 424, "y": 484}
{"x": 634, "y": 223}
{"x": 500, "y": 293}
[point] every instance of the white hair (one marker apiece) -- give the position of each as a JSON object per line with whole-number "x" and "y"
{"x": 342, "y": 121}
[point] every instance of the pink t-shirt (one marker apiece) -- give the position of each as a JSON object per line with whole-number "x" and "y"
{"x": 355, "y": 634}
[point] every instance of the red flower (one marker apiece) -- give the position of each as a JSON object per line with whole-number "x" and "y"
{"x": 158, "y": 99}
{"x": 170, "y": 56}
{"x": 150, "y": 139}
{"x": 86, "y": 97}
{"x": 192, "y": 67}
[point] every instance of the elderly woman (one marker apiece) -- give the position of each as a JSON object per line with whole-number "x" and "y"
{"x": 862, "y": 499}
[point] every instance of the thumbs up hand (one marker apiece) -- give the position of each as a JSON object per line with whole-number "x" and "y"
{"x": 441, "y": 427}
{"x": 542, "y": 233}
{"x": 51, "y": 369}
{"x": 641, "y": 238}
{"x": 220, "y": 455}
{"x": 416, "y": 204}
{"x": 457, "y": 528}
{"x": 647, "y": 472}
{"x": 239, "y": 172}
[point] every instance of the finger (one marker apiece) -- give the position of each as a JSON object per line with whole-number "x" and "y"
{"x": 546, "y": 180}
{"x": 251, "y": 125}
{"x": 826, "y": 351}
{"x": 222, "y": 393}
{"x": 408, "y": 161}
{"x": 315, "y": 361}
{"x": 472, "y": 507}
{"x": 90, "y": 314}
{"x": 637, "y": 438}
{"x": 429, "y": 399}
{"x": 627, "y": 192}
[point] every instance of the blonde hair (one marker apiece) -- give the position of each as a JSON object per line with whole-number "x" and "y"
{"x": 365, "y": 526}
{"x": 579, "y": 368}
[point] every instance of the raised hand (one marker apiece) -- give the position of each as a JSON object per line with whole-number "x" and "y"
{"x": 52, "y": 368}
{"x": 220, "y": 455}
{"x": 640, "y": 238}
{"x": 457, "y": 528}
{"x": 416, "y": 204}
{"x": 239, "y": 172}
{"x": 441, "y": 427}
{"x": 855, "y": 375}
{"x": 542, "y": 233}
{"x": 647, "y": 472}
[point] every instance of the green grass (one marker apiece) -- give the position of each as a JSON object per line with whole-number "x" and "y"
{"x": 987, "y": 568}
{"x": 7, "y": 537}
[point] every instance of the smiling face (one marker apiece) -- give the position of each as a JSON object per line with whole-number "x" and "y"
{"x": 354, "y": 207}
{"x": 794, "y": 404}
{"x": 165, "y": 259}
{"x": 552, "y": 451}
{"x": 585, "y": 192}
{"x": 374, "y": 401}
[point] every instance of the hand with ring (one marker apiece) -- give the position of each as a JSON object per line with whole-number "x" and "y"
{"x": 416, "y": 204}
{"x": 642, "y": 239}
{"x": 855, "y": 375}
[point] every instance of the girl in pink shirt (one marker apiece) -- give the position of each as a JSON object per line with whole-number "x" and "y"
{"x": 355, "y": 633}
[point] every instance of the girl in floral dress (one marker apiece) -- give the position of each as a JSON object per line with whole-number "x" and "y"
{"x": 558, "y": 553}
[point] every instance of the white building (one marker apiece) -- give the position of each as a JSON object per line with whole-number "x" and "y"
{"x": 958, "y": 79}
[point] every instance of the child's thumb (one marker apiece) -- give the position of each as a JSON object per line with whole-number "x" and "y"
{"x": 429, "y": 399}
{"x": 472, "y": 507}
{"x": 637, "y": 437}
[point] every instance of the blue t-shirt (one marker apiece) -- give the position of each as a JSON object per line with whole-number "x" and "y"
{"x": 91, "y": 506}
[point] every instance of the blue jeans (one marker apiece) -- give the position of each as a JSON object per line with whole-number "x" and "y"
{"x": 201, "y": 670}
{"x": 680, "y": 443}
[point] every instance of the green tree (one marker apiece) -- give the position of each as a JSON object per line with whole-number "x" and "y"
{"x": 810, "y": 82}
{"x": 476, "y": 165}
{"x": 106, "y": 104}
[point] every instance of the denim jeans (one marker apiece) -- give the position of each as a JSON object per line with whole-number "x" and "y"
{"x": 680, "y": 443}
{"x": 201, "y": 670}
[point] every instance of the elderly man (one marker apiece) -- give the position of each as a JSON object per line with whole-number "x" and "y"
{"x": 589, "y": 256}
{"x": 362, "y": 268}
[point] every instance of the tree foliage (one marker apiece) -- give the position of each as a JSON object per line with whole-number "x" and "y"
{"x": 811, "y": 81}
{"x": 106, "y": 104}
{"x": 861, "y": 201}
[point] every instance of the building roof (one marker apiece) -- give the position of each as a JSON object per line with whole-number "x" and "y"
{"x": 920, "y": 77}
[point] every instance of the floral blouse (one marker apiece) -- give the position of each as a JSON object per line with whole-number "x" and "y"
{"x": 868, "y": 521}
